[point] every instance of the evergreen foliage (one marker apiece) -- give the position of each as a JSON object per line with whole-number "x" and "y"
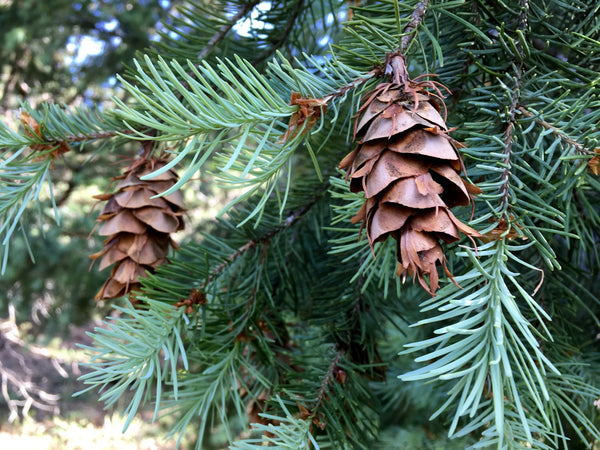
{"x": 43, "y": 45}
{"x": 281, "y": 327}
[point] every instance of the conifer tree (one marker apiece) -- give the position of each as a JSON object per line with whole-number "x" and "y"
{"x": 410, "y": 258}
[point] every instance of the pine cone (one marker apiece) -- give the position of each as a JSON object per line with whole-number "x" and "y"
{"x": 409, "y": 169}
{"x": 138, "y": 226}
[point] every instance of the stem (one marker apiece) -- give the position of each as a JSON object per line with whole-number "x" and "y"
{"x": 327, "y": 379}
{"x": 556, "y": 132}
{"x": 288, "y": 29}
{"x": 93, "y": 136}
{"x": 288, "y": 222}
{"x": 514, "y": 106}
{"x": 410, "y": 30}
{"x": 352, "y": 85}
{"x": 220, "y": 35}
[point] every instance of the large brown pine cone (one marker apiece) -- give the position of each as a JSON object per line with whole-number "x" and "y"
{"x": 138, "y": 227}
{"x": 409, "y": 169}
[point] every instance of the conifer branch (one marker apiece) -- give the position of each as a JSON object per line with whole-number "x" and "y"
{"x": 220, "y": 35}
{"x": 93, "y": 136}
{"x": 512, "y": 121}
{"x": 579, "y": 148}
{"x": 295, "y": 306}
{"x": 327, "y": 379}
{"x": 508, "y": 142}
{"x": 288, "y": 29}
{"x": 252, "y": 243}
{"x": 353, "y": 84}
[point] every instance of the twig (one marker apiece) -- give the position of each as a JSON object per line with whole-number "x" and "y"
{"x": 556, "y": 132}
{"x": 288, "y": 222}
{"x": 93, "y": 136}
{"x": 220, "y": 35}
{"x": 522, "y": 25}
{"x": 333, "y": 365}
{"x": 288, "y": 29}
{"x": 353, "y": 84}
{"x": 510, "y": 125}
{"x": 508, "y": 142}
{"x": 410, "y": 30}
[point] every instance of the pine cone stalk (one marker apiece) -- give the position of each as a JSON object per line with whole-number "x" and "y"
{"x": 409, "y": 168}
{"x": 138, "y": 227}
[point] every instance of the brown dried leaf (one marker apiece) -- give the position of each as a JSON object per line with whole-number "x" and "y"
{"x": 367, "y": 152}
{"x": 375, "y": 108}
{"x": 130, "y": 180}
{"x": 110, "y": 208}
{"x": 148, "y": 251}
{"x": 309, "y": 111}
{"x": 429, "y": 262}
{"x": 112, "y": 255}
{"x": 420, "y": 254}
{"x": 159, "y": 186}
{"x": 176, "y": 199}
{"x": 361, "y": 214}
{"x": 389, "y": 96}
{"x": 470, "y": 232}
{"x": 102, "y": 197}
{"x": 111, "y": 289}
{"x": 32, "y": 128}
{"x": 426, "y": 185}
{"x": 501, "y": 231}
{"x": 393, "y": 121}
{"x": 348, "y": 160}
{"x": 124, "y": 241}
{"x": 358, "y": 178}
{"x": 472, "y": 189}
{"x": 430, "y": 114}
{"x": 455, "y": 192}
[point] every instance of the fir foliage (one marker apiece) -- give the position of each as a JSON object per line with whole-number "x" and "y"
{"x": 280, "y": 327}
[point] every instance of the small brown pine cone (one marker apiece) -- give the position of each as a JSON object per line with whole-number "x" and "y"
{"x": 138, "y": 227}
{"x": 409, "y": 169}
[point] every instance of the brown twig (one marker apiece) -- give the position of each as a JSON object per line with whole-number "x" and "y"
{"x": 579, "y": 148}
{"x": 410, "y": 30}
{"x": 416, "y": 18}
{"x": 353, "y": 84}
{"x": 252, "y": 243}
{"x": 93, "y": 136}
{"x": 333, "y": 365}
{"x": 220, "y": 35}
{"x": 512, "y": 121}
{"x": 288, "y": 29}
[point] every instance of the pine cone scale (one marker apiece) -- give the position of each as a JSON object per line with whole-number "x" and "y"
{"x": 123, "y": 221}
{"x": 388, "y": 168}
{"x": 424, "y": 143}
